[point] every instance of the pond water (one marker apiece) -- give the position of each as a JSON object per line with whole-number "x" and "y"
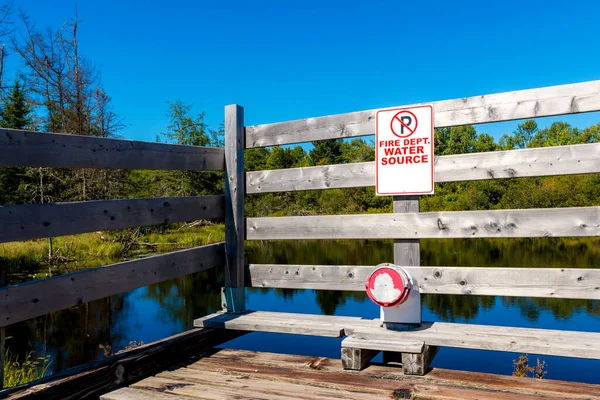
{"x": 74, "y": 336}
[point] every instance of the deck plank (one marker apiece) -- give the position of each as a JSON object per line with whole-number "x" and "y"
{"x": 135, "y": 394}
{"x": 260, "y": 385}
{"x": 226, "y": 374}
{"x": 300, "y": 324}
{"x": 250, "y": 361}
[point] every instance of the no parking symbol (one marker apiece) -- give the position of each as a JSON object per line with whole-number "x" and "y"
{"x": 404, "y": 124}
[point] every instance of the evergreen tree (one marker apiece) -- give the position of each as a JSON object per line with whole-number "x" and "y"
{"x": 16, "y": 114}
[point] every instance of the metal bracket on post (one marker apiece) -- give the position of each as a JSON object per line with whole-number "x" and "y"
{"x": 233, "y": 294}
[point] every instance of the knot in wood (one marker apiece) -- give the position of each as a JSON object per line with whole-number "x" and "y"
{"x": 119, "y": 373}
{"x": 402, "y": 394}
{"x": 441, "y": 225}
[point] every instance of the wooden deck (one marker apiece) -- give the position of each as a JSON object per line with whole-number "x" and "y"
{"x": 231, "y": 374}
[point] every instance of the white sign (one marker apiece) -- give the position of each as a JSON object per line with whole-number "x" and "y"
{"x": 404, "y": 151}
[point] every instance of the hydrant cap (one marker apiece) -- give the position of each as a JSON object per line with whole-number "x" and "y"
{"x": 388, "y": 286}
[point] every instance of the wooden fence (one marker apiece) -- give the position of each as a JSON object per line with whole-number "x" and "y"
{"x": 406, "y": 225}
{"x": 31, "y": 221}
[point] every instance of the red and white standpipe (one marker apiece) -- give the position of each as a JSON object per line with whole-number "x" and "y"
{"x": 395, "y": 290}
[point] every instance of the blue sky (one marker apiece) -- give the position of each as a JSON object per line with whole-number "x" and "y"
{"x": 286, "y": 60}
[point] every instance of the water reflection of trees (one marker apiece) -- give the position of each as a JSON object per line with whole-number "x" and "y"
{"x": 531, "y": 308}
{"x": 532, "y": 253}
{"x": 72, "y": 337}
{"x": 456, "y": 308}
{"x": 69, "y": 337}
{"x": 183, "y": 299}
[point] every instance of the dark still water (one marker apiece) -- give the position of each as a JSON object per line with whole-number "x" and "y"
{"x": 73, "y": 336}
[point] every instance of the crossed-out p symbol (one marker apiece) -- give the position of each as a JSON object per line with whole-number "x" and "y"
{"x": 404, "y": 123}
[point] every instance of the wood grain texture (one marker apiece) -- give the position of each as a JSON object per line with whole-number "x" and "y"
{"x": 418, "y": 363}
{"x": 407, "y": 252}
{"x": 234, "y": 195}
{"x": 356, "y": 358}
{"x": 36, "y": 298}
{"x": 569, "y": 283}
{"x": 129, "y": 393}
{"x": 223, "y": 386}
{"x": 397, "y": 346}
{"x": 545, "y": 161}
{"x": 574, "y": 344}
{"x": 91, "y": 380}
{"x": 298, "y": 324}
{"x": 557, "y": 222}
{"x": 31, "y": 221}
{"x": 532, "y": 103}
{"x": 377, "y": 379}
{"x": 37, "y": 149}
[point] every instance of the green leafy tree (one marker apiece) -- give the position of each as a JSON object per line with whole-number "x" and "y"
{"x": 288, "y": 157}
{"x": 484, "y": 142}
{"x": 559, "y": 134}
{"x": 357, "y": 151}
{"x": 184, "y": 128}
{"x": 524, "y": 134}
{"x": 455, "y": 140}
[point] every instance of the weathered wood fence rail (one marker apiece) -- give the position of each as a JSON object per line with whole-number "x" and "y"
{"x": 547, "y": 161}
{"x": 533, "y": 103}
{"x": 31, "y": 221}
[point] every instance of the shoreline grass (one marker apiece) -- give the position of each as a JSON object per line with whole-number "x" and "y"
{"x": 21, "y": 372}
{"x": 29, "y": 260}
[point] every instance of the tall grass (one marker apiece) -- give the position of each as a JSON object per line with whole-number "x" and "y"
{"x": 20, "y": 372}
{"x": 29, "y": 259}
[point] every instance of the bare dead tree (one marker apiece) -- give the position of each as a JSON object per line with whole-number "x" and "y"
{"x": 6, "y": 28}
{"x": 46, "y": 71}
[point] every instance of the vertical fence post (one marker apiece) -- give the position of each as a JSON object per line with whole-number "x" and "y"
{"x": 407, "y": 252}
{"x": 233, "y": 294}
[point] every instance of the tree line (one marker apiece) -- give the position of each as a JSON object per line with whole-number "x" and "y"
{"x": 567, "y": 191}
